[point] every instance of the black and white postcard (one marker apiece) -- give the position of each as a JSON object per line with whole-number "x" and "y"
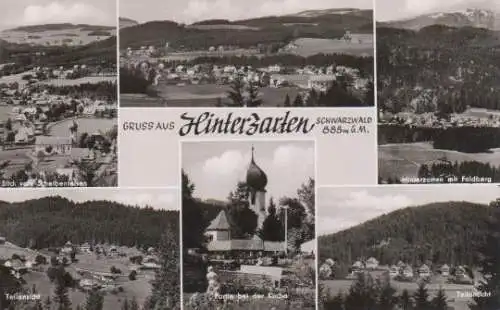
{"x": 401, "y": 247}
{"x": 58, "y": 93}
{"x": 438, "y": 75}
{"x": 246, "y": 53}
{"x": 92, "y": 249}
{"x": 248, "y": 225}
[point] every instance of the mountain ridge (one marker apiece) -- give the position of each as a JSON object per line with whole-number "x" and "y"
{"x": 471, "y": 17}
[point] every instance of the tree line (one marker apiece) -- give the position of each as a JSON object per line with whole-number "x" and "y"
{"x": 459, "y": 65}
{"x": 467, "y": 139}
{"x": 52, "y": 221}
{"x": 435, "y": 234}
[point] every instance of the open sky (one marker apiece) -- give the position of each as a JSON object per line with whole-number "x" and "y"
{"x": 35, "y": 12}
{"x": 188, "y": 11}
{"x": 342, "y": 208}
{"x": 216, "y": 167}
{"x": 164, "y": 199}
{"x": 386, "y": 10}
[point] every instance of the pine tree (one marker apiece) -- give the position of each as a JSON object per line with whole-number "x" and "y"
{"x": 298, "y": 102}
{"x": 336, "y": 303}
{"x": 135, "y": 306}
{"x": 422, "y": 298}
{"x": 362, "y": 294}
{"x": 490, "y": 264}
{"x": 236, "y": 93}
{"x": 272, "y": 228}
{"x": 166, "y": 292}
{"x": 125, "y": 305}
{"x": 405, "y": 302}
{"x": 95, "y": 301}
{"x": 439, "y": 301}
{"x": 287, "y": 101}
{"x": 47, "y": 304}
{"x": 386, "y": 299}
{"x": 253, "y": 95}
{"x": 61, "y": 298}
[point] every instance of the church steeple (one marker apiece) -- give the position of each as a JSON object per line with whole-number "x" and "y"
{"x": 256, "y": 178}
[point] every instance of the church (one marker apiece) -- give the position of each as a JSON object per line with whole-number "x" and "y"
{"x": 219, "y": 230}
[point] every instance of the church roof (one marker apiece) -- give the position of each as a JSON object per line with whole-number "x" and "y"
{"x": 255, "y": 244}
{"x": 256, "y": 177}
{"x": 219, "y": 223}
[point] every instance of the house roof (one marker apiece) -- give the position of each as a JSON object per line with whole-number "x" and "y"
{"x": 424, "y": 267}
{"x": 219, "y": 223}
{"x": 274, "y": 246}
{"x": 16, "y": 263}
{"x": 44, "y": 140}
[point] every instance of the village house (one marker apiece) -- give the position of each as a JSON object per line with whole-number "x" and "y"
{"x": 357, "y": 266}
{"x": 445, "y": 270}
{"x": 24, "y": 135}
{"x": 53, "y": 145}
{"x": 407, "y": 272}
{"x": 424, "y": 271}
{"x": 394, "y": 271}
{"x": 85, "y": 248}
{"x": 67, "y": 249}
{"x": 371, "y": 263}
{"x": 320, "y": 83}
{"x": 17, "y": 267}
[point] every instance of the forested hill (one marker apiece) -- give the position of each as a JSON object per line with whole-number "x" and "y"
{"x": 52, "y": 221}
{"x": 448, "y": 232}
{"x": 438, "y": 66}
{"x": 250, "y": 32}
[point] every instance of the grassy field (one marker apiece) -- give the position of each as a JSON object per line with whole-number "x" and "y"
{"x": 53, "y": 37}
{"x": 308, "y": 46}
{"x": 206, "y": 95}
{"x": 80, "y": 81}
{"x": 140, "y": 288}
{"x": 334, "y": 286}
{"x": 398, "y": 160}
{"x": 88, "y": 125}
{"x": 8, "y": 249}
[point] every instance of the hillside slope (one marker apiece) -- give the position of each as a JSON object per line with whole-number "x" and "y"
{"x": 248, "y": 32}
{"x": 448, "y": 232}
{"x": 52, "y": 221}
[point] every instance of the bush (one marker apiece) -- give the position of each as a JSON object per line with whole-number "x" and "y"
{"x": 133, "y": 275}
{"x": 115, "y": 270}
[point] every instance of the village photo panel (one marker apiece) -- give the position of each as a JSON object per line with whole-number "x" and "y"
{"x": 246, "y": 54}
{"x": 413, "y": 246}
{"x": 438, "y": 74}
{"x": 248, "y": 224}
{"x": 58, "y": 93}
{"x": 107, "y": 248}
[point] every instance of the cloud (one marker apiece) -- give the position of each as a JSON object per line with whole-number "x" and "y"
{"x": 287, "y": 166}
{"x": 57, "y": 12}
{"x": 363, "y": 200}
{"x": 227, "y": 164}
{"x": 338, "y": 212}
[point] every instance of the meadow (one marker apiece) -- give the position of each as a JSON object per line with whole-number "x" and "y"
{"x": 206, "y": 95}
{"x": 310, "y": 46}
